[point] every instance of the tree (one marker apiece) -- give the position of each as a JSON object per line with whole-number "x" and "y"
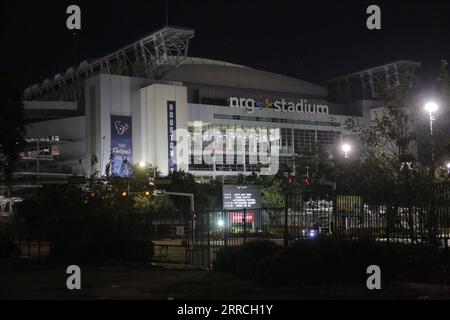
{"x": 315, "y": 169}
{"x": 206, "y": 195}
{"x": 160, "y": 206}
{"x": 12, "y": 126}
{"x": 442, "y": 136}
{"x": 387, "y": 144}
{"x": 390, "y": 170}
{"x": 273, "y": 196}
{"x": 58, "y": 213}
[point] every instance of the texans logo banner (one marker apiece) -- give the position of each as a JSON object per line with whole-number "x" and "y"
{"x": 121, "y": 145}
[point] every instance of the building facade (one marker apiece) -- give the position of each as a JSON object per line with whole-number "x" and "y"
{"x": 133, "y": 110}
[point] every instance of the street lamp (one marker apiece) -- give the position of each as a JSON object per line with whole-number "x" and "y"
{"x": 448, "y": 166}
{"x": 431, "y": 107}
{"x": 346, "y": 148}
{"x": 142, "y": 164}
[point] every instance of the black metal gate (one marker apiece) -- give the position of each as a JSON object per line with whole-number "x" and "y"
{"x": 421, "y": 215}
{"x": 210, "y": 231}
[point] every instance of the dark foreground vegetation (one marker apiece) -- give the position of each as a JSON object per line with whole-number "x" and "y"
{"x": 332, "y": 261}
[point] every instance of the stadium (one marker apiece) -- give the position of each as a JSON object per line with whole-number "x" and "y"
{"x": 129, "y": 102}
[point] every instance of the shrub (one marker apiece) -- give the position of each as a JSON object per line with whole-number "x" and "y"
{"x": 7, "y": 247}
{"x": 241, "y": 260}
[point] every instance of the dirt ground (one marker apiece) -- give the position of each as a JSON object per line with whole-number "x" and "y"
{"x": 28, "y": 279}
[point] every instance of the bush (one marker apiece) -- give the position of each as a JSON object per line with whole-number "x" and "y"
{"x": 242, "y": 260}
{"x": 7, "y": 248}
{"x": 332, "y": 261}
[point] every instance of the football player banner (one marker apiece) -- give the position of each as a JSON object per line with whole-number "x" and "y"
{"x": 121, "y": 145}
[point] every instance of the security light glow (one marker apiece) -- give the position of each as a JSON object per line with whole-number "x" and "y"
{"x": 431, "y": 107}
{"x": 346, "y": 147}
{"x": 312, "y": 234}
{"x": 220, "y": 223}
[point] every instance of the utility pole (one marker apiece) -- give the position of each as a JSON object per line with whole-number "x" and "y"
{"x": 166, "y": 11}
{"x": 300, "y": 69}
{"x": 74, "y": 39}
{"x": 286, "y": 230}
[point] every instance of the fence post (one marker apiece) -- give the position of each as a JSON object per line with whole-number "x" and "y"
{"x": 40, "y": 239}
{"x": 193, "y": 226}
{"x": 286, "y": 233}
{"x": 119, "y": 222}
{"x": 209, "y": 239}
{"x": 19, "y": 238}
{"x": 245, "y": 225}
{"x": 226, "y": 228}
{"x": 333, "y": 219}
{"x": 29, "y": 241}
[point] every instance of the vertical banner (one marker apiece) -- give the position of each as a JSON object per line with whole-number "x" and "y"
{"x": 121, "y": 145}
{"x": 171, "y": 138}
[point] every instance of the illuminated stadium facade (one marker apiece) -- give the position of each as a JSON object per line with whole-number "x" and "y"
{"x": 129, "y": 102}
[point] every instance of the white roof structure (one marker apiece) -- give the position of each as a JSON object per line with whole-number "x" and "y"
{"x": 366, "y": 83}
{"x": 150, "y": 56}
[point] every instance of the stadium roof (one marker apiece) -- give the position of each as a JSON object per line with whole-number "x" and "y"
{"x": 148, "y": 57}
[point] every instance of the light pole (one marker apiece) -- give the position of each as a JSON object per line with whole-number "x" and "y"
{"x": 431, "y": 107}
{"x": 346, "y": 148}
{"x": 144, "y": 165}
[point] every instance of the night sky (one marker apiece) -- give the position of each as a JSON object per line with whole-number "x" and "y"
{"x": 329, "y": 38}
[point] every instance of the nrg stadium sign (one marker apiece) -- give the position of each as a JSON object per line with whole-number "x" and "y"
{"x": 250, "y": 105}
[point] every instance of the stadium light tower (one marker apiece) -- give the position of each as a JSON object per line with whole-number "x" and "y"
{"x": 346, "y": 148}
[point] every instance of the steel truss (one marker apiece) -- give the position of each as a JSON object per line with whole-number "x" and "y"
{"x": 150, "y": 57}
{"x": 366, "y": 84}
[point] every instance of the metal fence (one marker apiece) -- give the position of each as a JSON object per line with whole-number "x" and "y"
{"x": 419, "y": 215}
{"x": 399, "y": 214}
{"x": 416, "y": 216}
{"x": 42, "y": 236}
